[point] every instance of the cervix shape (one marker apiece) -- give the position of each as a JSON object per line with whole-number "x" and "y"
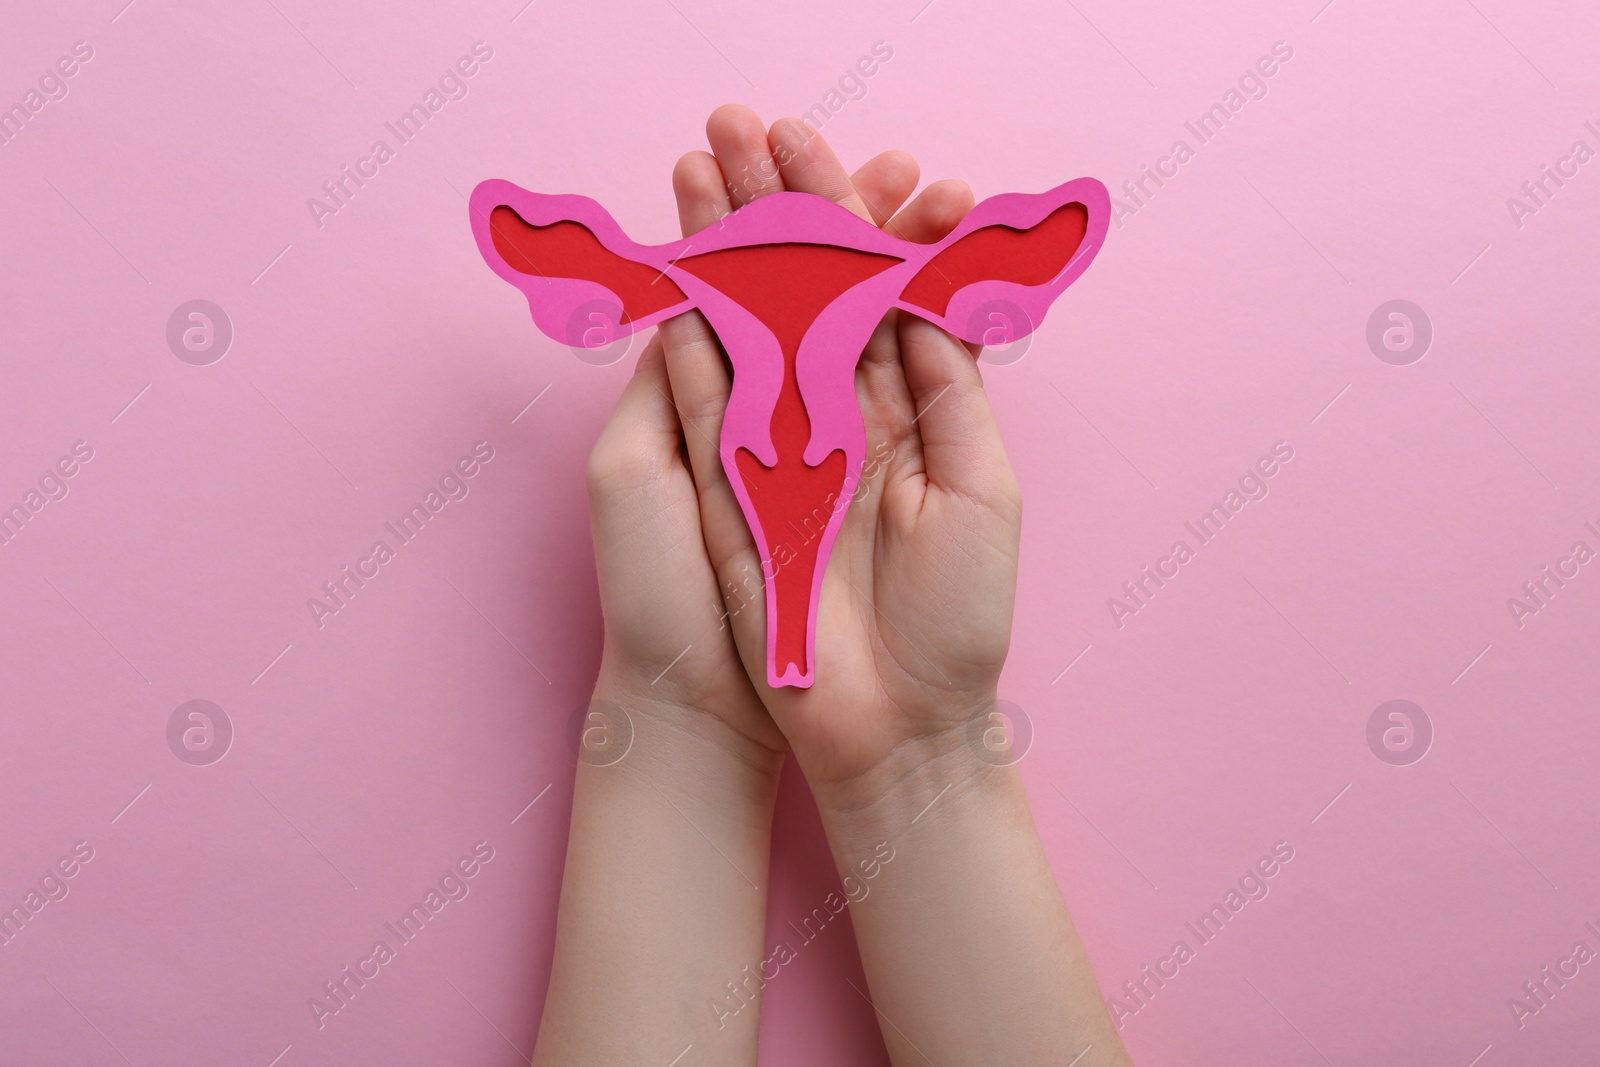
{"x": 793, "y": 286}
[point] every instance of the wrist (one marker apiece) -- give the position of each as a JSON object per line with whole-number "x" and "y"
{"x": 955, "y": 765}
{"x": 687, "y": 751}
{"x": 945, "y": 819}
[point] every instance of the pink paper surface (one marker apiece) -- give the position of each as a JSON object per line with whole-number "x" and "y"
{"x": 1227, "y": 312}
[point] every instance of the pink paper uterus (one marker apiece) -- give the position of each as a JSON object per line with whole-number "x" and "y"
{"x": 793, "y": 285}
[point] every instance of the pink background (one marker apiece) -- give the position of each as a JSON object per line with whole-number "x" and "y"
{"x": 1226, "y": 314}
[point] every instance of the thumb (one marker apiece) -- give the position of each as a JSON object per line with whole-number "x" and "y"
{"x": 961, "y": 445}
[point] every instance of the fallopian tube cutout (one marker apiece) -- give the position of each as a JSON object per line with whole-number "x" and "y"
{"x": 793, "y": 285}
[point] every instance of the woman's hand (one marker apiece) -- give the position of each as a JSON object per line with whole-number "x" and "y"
{"x": 669, "y": 655}
{"x": 965, "y": 940}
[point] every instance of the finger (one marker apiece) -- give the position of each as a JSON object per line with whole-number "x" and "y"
{"x": 643, "y": 435}
{"x": 887, "y": 410}
{"x": 739, "y": 141}
{"x": 936, "y": 211}
{"x": 700, "y": 386}
{"x": 884, "y": 182}
{"x": 961, "y": 448}
{"x": 693, "y": 357}
{"x": 881, "y": 381}
{"x": 885, "y": 373}
{"x": 808, "y": 165}
{"x": 702, "y": 197}
{"x": 930, "y": 218}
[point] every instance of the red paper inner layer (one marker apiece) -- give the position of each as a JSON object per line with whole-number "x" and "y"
{"x": 1001, "y": 253}
{"x": 786, "y": 287}
{"x": 574, "y": 252}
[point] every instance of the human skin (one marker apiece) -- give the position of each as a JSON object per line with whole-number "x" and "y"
{"x": 970, "y": 955}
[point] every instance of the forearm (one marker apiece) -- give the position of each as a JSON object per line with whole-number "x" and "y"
{"x": 663, "y": 900}
{"x": 969, "y": 951}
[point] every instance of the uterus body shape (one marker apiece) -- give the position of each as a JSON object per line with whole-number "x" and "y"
{"x": 793, "y": 286}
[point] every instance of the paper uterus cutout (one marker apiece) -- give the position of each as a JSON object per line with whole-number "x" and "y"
{"x": 793, "y": 286}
